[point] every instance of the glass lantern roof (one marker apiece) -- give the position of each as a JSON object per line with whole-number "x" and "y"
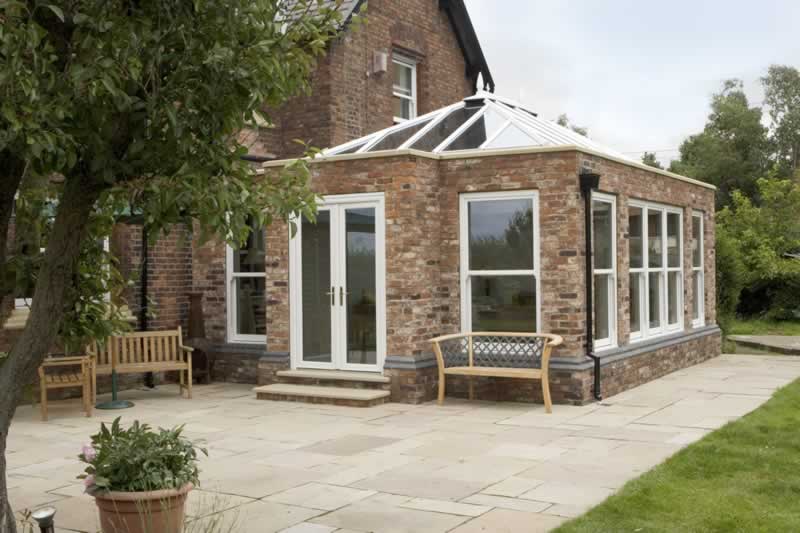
{"x": 484, "y": 121}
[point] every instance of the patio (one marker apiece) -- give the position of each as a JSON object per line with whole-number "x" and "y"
{"x": 464, "y": 467}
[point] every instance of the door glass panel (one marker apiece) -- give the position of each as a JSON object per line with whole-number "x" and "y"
{"x": 362, "y": 339}
{"x": 503, "y": 303}
{"x": 316, "y": 274}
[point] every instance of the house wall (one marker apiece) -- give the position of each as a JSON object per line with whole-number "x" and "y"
{"x": 348, "y": 101}
{"x": 423, "y": 254}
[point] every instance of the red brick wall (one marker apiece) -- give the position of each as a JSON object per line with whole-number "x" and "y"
{"x": 348, "y": 100}
{"x": 169, "y": 273}
{"x": 422, "y": 238}
{"x": 208, "y": 278}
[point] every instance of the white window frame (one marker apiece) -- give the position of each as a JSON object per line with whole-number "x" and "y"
{"x": 233, "y": 304}
{"x": 466, "y": 273}
{"x": 412, "y": 65}
{"x": 611, "y": 340}
{"x": 664, "y": 328}
{"x": 699, "y": 271}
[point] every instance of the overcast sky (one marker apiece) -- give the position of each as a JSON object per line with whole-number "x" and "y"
{"x": 638, "y": 74}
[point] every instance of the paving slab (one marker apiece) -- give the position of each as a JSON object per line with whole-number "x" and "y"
{"x": 465, "y": 466}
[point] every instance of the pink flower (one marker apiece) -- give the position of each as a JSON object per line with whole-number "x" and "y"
{"x": 88, "y": 481}
{"x": 88, "y": 452}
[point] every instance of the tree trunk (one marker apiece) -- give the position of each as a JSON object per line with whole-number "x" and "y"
{"x": 41, "y": 331}
{"x": 9, "y": 183}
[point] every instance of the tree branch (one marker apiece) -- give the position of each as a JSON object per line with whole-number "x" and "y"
{"x": 9, "y": 184}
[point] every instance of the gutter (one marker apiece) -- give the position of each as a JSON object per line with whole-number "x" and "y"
{"x": 590, "y": 181}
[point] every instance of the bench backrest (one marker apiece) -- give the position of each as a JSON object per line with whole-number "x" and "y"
{"x": 495, "y": 349}
{"x": 139, "y": 347}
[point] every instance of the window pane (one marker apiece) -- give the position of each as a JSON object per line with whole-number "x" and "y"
{"x": 635, "y": 293}
{"x": 251, "y": 315}
{"x": 697, "y": 294}
{"x": 673, "y": 285}
{"x": 403, "y": 79}
{"x": 444, "y": 129}
{"x": 403, "y": 108}
{"x": 635, "y": 237}
{"x": 511, "y": 137}
{"x": 501, "y": 234}
{"x": 654, "y": 242}
{"x": 654, "y": 293}
{"x": 602, "y": 319}
{"x": 603, "y": 238}
{"x": 250, "y": 258}
{"x": 673, "y": 240}
{"x": 478, "y": 132}
{"x": 696, "y": 236}
{"x": 395, "y": 139}
{"x": 503, "y": 303}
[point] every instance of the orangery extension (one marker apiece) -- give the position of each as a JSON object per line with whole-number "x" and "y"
{"x": 481, "y": 216}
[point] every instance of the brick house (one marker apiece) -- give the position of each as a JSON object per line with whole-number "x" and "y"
{"x": 429, "y": 182}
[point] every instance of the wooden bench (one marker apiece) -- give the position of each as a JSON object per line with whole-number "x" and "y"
{"x": 495, "y": 354}
{"x": 66, "y": 377}
{"x": 144, "y": 351}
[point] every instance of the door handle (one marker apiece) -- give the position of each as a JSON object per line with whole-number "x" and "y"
{"x": 332, "y": 294}
{"x": 342, "y": 294}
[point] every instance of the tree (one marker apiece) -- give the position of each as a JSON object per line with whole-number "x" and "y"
{"x": 732, "y": 151}
{"x": 649, "y": 159}
{"x": 782, "y": 98}
{"x": 563, "y": 120}
{"x": 761, "y": 238}
{"x": 137, "y": 105}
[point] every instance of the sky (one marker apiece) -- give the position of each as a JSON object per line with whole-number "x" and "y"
{"x": 638, "y": 74}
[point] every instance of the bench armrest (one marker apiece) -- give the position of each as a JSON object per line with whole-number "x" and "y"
{"x": 187, "y": 349}
{"x": 66, "y": 361}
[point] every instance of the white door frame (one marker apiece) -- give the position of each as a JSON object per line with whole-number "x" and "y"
{"x": 337, "y": 205}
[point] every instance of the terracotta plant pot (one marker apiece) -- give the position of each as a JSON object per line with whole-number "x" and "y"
{"x": 158, "y": 511}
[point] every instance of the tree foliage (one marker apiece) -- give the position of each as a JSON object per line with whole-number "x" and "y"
{"x": 782, "y": 98}
{"x": 563, "y": 120}
{"x": 649, "y": 159}
{"x": 732, "y": 151}
{"x": 123, "y": 106}
{"x": 762, "y": 237}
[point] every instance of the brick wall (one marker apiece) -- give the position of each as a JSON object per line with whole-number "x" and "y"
{"x": 348, "y": 100}
{"x": 423, "y": 253}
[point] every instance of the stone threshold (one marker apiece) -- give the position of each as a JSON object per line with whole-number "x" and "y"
{"x": 334, "y": 375}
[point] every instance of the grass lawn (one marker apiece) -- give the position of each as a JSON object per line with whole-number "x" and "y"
{"x": 742, "y": 477}
{"x": 764, "y": 327}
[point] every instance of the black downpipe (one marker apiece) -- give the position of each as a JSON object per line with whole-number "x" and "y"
{"x": 149, "y": 378}
{"x": 590, "y": 181}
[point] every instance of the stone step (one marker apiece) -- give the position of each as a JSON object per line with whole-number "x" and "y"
{"x": 334, "y": 378}
{"x": 319, "y": 394}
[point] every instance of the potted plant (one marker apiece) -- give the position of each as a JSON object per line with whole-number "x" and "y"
{"x": 140, "y": 477}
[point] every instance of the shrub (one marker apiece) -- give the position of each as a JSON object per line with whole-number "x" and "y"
{"x": 731, "y": 275}
{"x": 139, "y": 459}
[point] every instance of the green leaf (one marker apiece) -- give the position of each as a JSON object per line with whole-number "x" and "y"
{"x": 57, "y": 11}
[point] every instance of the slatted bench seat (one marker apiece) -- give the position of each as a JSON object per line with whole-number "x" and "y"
{"x": 144, "y": 351}
{"x": 495, "y": 354}
{"x": 75, "y": 371}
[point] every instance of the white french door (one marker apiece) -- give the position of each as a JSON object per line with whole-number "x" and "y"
{"x": 337, "y": 285}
